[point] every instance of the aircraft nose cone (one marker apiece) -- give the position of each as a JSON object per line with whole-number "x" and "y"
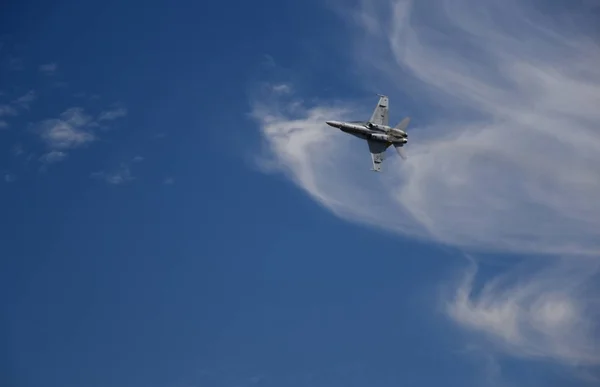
{"x": 332, "y": 123}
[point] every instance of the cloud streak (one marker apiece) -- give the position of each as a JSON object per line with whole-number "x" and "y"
{"x": 515, "y": 171}
{"x": 25, "y": 101}
{"x": 119, "y": 176}
{"x": 7, "y": 110}
{"x": 547, "y": 312}
{"x": 111, "y": 115}
{"x": 53, "y": 157}
{"x": 73, "y": 129}
{"x": 69, "y": 131}
{"x": 12, "y": 109}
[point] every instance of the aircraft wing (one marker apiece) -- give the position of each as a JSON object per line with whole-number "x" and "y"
{"x": 377, "y": 150}
{"x": 381, "y": 113}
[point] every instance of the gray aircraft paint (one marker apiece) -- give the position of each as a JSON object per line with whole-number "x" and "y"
{"x": 377, "y": 132}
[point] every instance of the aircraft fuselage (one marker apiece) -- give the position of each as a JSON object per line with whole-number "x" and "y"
{"x": 369, "y": 131}
{"x": 377, "y": 132}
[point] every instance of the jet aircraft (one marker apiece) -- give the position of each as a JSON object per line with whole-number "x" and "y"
{"x": 377, "y": 132}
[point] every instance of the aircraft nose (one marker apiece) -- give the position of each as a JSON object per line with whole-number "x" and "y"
{"x": 335, "y": 124}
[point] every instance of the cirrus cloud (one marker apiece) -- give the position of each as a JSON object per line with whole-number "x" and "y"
{"x": 53, "y": 157}
{"x": 541, "y": 312}
{"x": 516, "y": 171}
{"x": 68, "y": 131}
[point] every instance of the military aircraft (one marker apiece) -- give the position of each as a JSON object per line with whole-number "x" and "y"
{"x": 377, "y": 132}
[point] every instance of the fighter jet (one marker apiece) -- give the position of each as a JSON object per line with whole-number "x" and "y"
{"x": 377, "y": 132}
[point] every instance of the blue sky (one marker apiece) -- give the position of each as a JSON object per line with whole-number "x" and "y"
{"x": 175, "y": 213}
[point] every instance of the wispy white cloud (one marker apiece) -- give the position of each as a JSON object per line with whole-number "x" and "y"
{"x": 71, "y": 130}
{"x": 25, "y": 100}
{"x": 138, "y": 159}
{"x": 12, "y": 109}
{"x": 7, "y": 110}
{"x": 547, "y": 312}
{"x": 516, "y": 171}
{"x": 76, "y": 117}
{"x": 112, "y": 114}
{"x": 282, "y": 88}
{"x": 74, "y": 128}
{"x": 475, "y": 182}
{"x": 9, "y": 177}
{"x": 58, "y": 134}
{"x": 53, "y": 157}
{"x": 119, "y": 176}
{"x": 48, "y": 68}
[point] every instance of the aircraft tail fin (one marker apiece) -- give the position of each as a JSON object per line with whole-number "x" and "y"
{"x": 402, "y": 125}
{"x": 401, "y": 151}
